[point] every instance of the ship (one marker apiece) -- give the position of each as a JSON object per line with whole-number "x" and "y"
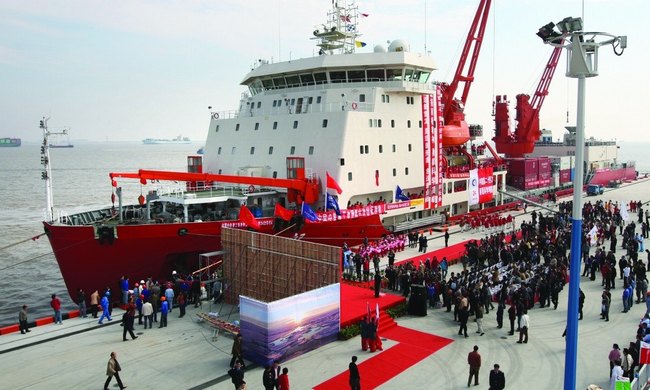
{"x": 9, "y": 142}
{"x": 337, "y": 148}
{"x": 164, "y": 141}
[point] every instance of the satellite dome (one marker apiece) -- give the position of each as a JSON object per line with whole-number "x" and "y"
{"x": 379, "y": 49}
{"x": 398, "y": 45}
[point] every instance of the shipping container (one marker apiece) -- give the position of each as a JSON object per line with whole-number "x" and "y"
{"x": 523, "y": 166}
{"x": 573, "y": 172}
{"x": 521, "y": 182}
{"x": 530, "y": 178}
{"x": 565, "y": 176}
{"x": 544, "y": 182}
{"x": 544, "y": 164}
{"x": 565, "y": 163}
{"x": 544, "y": 175}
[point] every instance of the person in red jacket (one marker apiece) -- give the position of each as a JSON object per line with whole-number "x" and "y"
{"x": 283, "y": 379}
{"x": 56, "y": 305}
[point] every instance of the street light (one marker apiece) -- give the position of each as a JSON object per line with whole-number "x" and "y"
{"x": 582, "y": 62}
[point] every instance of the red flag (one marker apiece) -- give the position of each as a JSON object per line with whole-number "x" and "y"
{"x": 644, "y": 355}
{"x": 331, "y": 183}
{"x": 247, "y": 217}
{"x": 283, "y": 213}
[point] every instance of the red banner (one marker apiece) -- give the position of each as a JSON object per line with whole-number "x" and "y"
{"x": 432, "y": 149}
{"x": 485, "y": 185}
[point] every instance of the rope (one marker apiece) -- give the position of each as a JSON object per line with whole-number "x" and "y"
{"x": 20, "y": 242}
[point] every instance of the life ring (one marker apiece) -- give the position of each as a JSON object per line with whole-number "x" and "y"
{"x": 215, "y": 115}
{"x": 354, "y": 106}
{"x": 251, "y": 188}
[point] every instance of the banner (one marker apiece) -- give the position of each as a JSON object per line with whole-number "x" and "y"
{"x": 432, "y": 149}
{"x": 473, "y": 187}
{"x": 623, "y": 212}
{"x": 592, "y": 236}
{"x": 485, "y": 185}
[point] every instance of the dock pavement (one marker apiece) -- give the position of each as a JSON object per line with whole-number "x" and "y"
{"x": 185, "y": 355}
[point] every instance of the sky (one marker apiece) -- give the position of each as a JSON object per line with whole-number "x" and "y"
{"x": 128, "y": 70}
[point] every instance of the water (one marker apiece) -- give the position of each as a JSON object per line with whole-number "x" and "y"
{"x": 81, "y": 182}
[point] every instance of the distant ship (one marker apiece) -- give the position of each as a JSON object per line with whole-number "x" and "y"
{"x": 68, "y": 145}
{"x": 9, "y": 142}
{"x": 62, "y": 140}
{"x": 160, "y": 141}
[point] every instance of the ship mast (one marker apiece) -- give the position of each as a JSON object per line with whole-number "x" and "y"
{"x": 338, "y": 35}
{"x": 46, "y": 175}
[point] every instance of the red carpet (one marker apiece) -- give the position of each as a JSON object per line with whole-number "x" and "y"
{"x": 355, "y": 300}
{"x": 452, "y": 253}
{"x": 413, "y": 346}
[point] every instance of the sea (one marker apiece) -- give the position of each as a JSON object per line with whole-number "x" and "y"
{"x": 80, "y": 182}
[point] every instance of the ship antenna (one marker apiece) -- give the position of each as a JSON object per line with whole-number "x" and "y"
{"x": 339, "y": 34}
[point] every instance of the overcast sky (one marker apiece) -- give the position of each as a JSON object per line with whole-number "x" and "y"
{"x": 128, "y": 70}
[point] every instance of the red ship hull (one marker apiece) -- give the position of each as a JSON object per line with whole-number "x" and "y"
{"x": 155, "y": 250}
{"x": 605, "y": 175}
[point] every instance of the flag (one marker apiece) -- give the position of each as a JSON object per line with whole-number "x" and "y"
{"x": 282, "y": 213}
{"x": 331, "y": 183}
{"x": 332, "y": 204}
{"x": 365, "y": 15}
{"x": 399, "y": 195}
{"x": 377, "y": 313}
{"x": 346, "y": 18}
{"x": 644, "y": 355}
{"x": 624, "y": 215}
{"x": 592, "y": 235}
{"x": 308, "y": 213}
{"x": 359, "y": 44}
{"x": 247, "y": 217}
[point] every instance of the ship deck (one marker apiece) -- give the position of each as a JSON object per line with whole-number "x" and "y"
{"x": 75, "y": 354}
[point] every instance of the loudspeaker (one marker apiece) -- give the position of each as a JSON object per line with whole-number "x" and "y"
{"x": 417, "y": 304}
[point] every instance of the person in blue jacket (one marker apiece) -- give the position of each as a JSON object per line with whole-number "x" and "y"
{"x": 164, "y": 309}
{"x": 105, "y": 310}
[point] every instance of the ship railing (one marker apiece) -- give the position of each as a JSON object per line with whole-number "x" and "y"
{"x": 207, "y": 190}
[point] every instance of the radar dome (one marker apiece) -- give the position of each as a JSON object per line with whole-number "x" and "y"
{"x": 398, "y": 45}
{"x": 379, "y": 49}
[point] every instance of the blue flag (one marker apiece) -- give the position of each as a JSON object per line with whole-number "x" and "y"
{"x": 308, "y": 213}
{"x": 332, "y": 204}
{"x": 399, "y": 195}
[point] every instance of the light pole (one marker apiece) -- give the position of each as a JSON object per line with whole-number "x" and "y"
{"x": 582, "y": 62}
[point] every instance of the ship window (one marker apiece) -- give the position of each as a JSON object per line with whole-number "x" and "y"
{"x": 275, "y": 125}
{"x": 237, "y": 127}
{"x": 324, "y": 123}
{"x": 424, "y": 76}
{"x": 349, "y": 176}
{"x": 275, "y": 103}
{"x": 270, "y": 149}
{"x": 279, "y": 82}
{"x": 337, "y": 77}
{"x": 259, "y": 104}
{"x": 408, "y": 123}
{"x": 257, "y": 125}
{"x": 420, "y": 124}
{"x": 293, "y": 102}
{"x": 219, "y": 150}
{"x": 394, "y": 172}
{"x": 275, "y": 174}
{"x": 378, "y": 122}
{"x": 295, "y": 124}
{"x": 361, "y": 149}
{"x": 307, "y": 79}
{"x": 394, "y": 148}
{"x": 310, "y": 100}
{"x": 416, "y": 76}
{"x": 410, "y": 148}
{"x": 293, "y": 150}
{"x": 293, "y": 81}
{"x": 267, "y": 83}
{"x": 311, "y": 150}
{"x": 362, "y": 97}
{"x": 392, "y": 123}
{"x": 252, "y": 149}
{"x": 444, "y": 189}
{"x": 393, "y": 74}
{"x": 366, "y": 149}
{"x": 320, "y": 78}
{"x": 232, "y": 151}
{"x": 216, "y": 129}
{"x": 318, "y": 99}
{"x": 355, "y": 76}
{"x": 408, "y": 74}
{"x": 219, "y": 171}
{"x": 342, "y": 162}
{"x": 376, "y": 75}
{"x": 369, "y": 122}
{"x": 406, "y": 171}
{"x": 381, "y": 148}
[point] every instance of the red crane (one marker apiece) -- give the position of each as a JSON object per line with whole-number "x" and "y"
{"x": 527, "y": 132}
{"x": 455, "y": 130}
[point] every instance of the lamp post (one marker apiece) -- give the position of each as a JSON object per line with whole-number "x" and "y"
{"x": 582, "y": 62}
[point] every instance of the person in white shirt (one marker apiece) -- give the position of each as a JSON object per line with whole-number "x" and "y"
{"x": 524, "y": 323}
{"x": 617, "y": 374}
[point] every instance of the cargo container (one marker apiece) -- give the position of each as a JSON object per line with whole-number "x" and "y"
{"x": 544, "y": 182}
{"x": 544, "y": 164}
{"x": 523, "y": 182}
{"x": 523, "y": 166}
{"x": 544, "y": 175}
{"x": 565, "y": 176}
{"x": 565, "y": 163}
